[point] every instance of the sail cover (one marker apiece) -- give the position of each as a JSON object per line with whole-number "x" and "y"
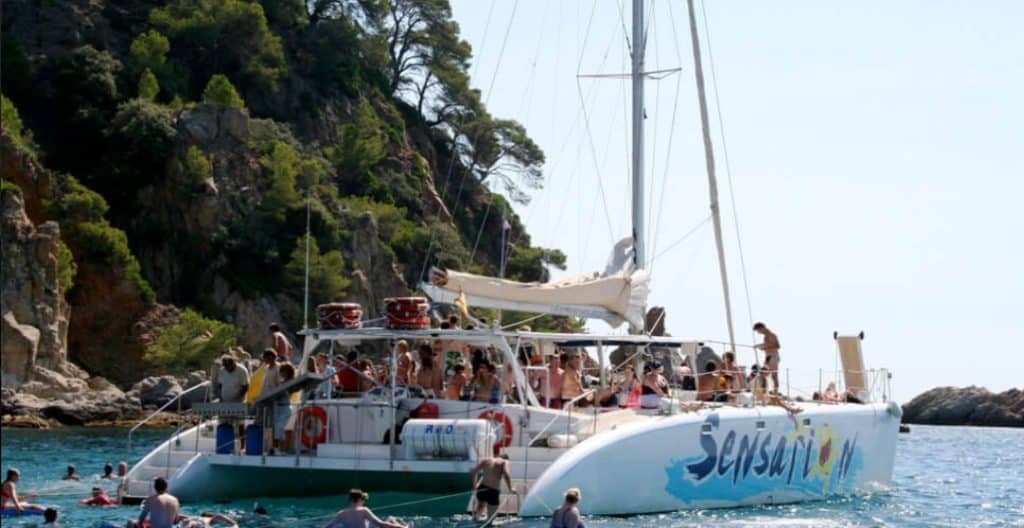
{"x": 618, "y": 295}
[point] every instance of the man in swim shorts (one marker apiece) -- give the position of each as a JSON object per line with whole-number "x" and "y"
{"x": 488, "y": 489}
{"x": 356, "y": 515}
{"x": 771, "y": 347}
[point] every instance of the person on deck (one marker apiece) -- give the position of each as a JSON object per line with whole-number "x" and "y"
{"x": 162, "y": 508}
{"x": 770, "y": 345}
{"x": 9, "y": 494}
{"x": 655, "y": 386}
{"x": 730, "y": 368}
{"x": 568, "y": 514}
{"x": 283, "y": 407}
{"x": 271, "y": 371}
{"x": 281, "y": 345}
{"x": 629, "y": 388}
{"x": 456, "y": 384}
{"x": 405, "y": 374}
{"x": 572, "y": 381}
{"x": 429, "y": 375}
{"x": 357, "y": 515}
{"x": 325, "y": 368}
{"x": 348, "y": 372}
{"x": 233, "y": 380}
{"x": 486, "y": 387}
{"x": 709, "y": 384}
{"x": 549, "y": 385}
{"x": 488, "y": 487}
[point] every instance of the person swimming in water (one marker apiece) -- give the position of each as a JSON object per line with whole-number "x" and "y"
{"x": 9, "y": 494}
{"x": 568, "y": 515}
{"x": 99, "y": 498}
{"x": 356, "y": 515}
{"x": 108, "y": 472}
{"x": 72, "y": 473}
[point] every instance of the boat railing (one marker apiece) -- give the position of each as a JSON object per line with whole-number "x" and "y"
{"x": 177, "y": 399}
{"x": 568, "y": 407}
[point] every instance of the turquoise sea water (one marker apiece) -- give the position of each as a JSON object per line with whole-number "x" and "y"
{"x": 944, "y": 476}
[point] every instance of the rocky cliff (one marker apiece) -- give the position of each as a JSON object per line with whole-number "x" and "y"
{"x": 966, "y": 406}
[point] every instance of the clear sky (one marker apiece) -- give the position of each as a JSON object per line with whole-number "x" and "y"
{"x": 876, "y": 152}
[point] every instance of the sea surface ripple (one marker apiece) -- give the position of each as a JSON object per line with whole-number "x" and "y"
{"x": 944, "y": 476}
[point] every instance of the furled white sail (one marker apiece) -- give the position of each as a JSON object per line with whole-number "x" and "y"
{"x": 618, "y": 295}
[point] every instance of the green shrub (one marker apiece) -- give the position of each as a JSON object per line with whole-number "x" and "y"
{"x": 197, "y": 165}
{"x": 81, "y": 213}
{"x": 361, "y": 147}
{"x": 12, "y": 125}
{"x": 284, "y": 164}
{"x": 148, "y": 86}
{"x": 327, "y": 282}
{"x": 221, "y": 92}
{"x": 149, "y": 52}
{"x": 66, "y": 267}
{"x": 191, "y": 344}
{"x": 9, "y": 186}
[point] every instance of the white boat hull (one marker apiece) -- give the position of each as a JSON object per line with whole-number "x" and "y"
{"x": 722, "y": 458}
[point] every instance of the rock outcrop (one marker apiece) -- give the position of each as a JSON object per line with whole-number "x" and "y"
{"x": 32, "y": 308}
{"x": 966, "y": 406}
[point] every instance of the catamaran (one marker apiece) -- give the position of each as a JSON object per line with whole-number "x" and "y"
{"x": 415, "y": 452}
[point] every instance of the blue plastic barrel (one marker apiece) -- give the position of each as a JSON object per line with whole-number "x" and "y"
{"x": 253, "y": 439}
{"x": 225, "y": 439}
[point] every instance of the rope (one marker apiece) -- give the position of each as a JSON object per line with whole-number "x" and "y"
{"x": 671, "y": 137}
{"x": 688, "y": 234}
{"x": 487, "y": 98}
{"x": 728, "y": 170}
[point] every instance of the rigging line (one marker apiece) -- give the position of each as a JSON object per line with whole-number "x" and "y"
{"x": 688, "y": 234}
{"x": 455, "y": 149}
{"x": 586, "y": 37}
{"x": 604, "y": 165}
{"x": 671, "y": 134}
{"x": 527, "y": 105}
{"x": 592, "y": 94}
{"x": 625, "y": 32}
{"x": 483, "y": 41}
{"x": 593, "y": 150}
{"x": 654, "y": 139}
{"x": 728, "y": 170}
{"x": 487, "y": 98}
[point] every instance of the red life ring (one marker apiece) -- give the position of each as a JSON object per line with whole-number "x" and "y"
{"x": 505, "y": 431}
{"x": 313, "y": 420}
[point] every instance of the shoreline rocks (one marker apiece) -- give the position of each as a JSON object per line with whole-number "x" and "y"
{"x": 966, "y": 406}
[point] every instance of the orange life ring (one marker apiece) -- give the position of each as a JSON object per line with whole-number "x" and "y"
{"x": 313, "y": 420}
{"x": 504, "y": 439}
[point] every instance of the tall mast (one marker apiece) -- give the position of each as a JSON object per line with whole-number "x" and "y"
{"x": 639, "y": 45}
{"x": 709, "y": 158}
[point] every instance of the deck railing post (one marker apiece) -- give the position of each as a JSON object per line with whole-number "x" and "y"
{"x": 787, "y": 382}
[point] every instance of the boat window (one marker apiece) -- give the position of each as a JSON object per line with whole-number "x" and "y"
{"x": 760, "y": 425}
{"x": 807, "y": 421}
{"x": 705, "y": 429}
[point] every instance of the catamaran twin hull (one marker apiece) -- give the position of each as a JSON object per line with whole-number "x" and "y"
{"x": 710, "y": 458}
{"x": 726, "y": 458}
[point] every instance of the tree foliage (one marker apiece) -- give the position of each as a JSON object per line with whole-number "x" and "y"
{"x": 90, "y": 236}
{"x": 327, "y": 281}
{"x": 283, "y": 163}
{"x": 229, "y": 37}
{"x": 219, "y": 91}
{"x": 190, "y": 344}
{"x": 149, "y": 87}
{"x": 149, "y": 52}
{"x": 14, "y": 128}
{"x": 197, "y": 165}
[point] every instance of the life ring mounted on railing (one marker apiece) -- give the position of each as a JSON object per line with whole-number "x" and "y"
{"x": 313, "y": 421}
{"x": 504, "y": 432}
